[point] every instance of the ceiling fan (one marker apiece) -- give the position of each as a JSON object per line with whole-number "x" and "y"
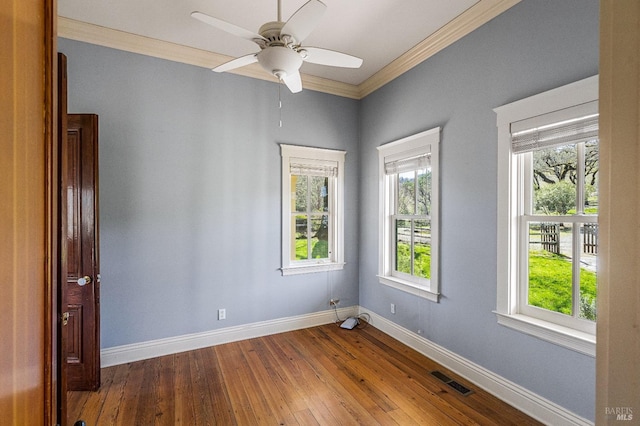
{"x": 281, "y": 51}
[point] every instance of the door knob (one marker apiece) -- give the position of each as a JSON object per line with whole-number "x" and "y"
{"x": 84, "y": 280}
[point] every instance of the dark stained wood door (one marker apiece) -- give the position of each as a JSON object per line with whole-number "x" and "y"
{"x": 80, "y": 196}
{"x": 61, "y": 296}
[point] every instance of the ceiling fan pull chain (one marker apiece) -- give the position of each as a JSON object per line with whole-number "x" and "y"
{"x": 280, "y": 102}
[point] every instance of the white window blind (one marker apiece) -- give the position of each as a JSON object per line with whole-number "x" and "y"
{"x": 571, "y": 125}
{"x": 407, "y": 164}
{"x": 313, "y": 169}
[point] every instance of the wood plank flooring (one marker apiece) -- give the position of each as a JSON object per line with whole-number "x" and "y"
{"x": 318, "y": 376}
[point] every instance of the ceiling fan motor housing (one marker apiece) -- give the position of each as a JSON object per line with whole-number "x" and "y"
{"x": 271, "y": 31}
{"x": 280, "y": 61}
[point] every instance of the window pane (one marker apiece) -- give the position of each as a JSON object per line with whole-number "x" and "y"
{"x": 550, "y": 266}
{"x": 424, "y": 192}
{"x": 422, "y": 249}
{"x": 588, "y": 283}
{"x": 406, "y": 193}
{"x": 299, "y": 202}
{"x": 403, "y": 249}
{"x": 301, "y": 239}
{"x": 311, "y": 196}
{"x": 592, "y": 165}
{"x": 319, "y": 194}
{"x": 554, "y": 180}
{"x": 319, "y": 237}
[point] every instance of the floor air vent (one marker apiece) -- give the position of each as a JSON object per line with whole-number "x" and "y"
{"x": 457, "y": 386}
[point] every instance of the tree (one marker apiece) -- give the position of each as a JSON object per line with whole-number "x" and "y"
{"x": 555, "y": 177}
{"x": 556, "y": 198}
{"x": 554, "y": 165}
{"x": 424, "y": 192}
{"x": 558, "y": 164}
{"x": 410, "y": 202}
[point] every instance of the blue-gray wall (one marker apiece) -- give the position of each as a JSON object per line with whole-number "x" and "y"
{"x": 190, "y": 205}
{"x": 535, "y": 46}
{"x": 190, "y": 190}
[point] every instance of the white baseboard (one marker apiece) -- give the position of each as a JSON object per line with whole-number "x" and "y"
{"x": 515, "y": 395}
{"x": 138, "y": 351}
{"x": 524, "y": 400}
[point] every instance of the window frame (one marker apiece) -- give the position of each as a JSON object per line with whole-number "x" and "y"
{"x": 423, "y": 143}
{"x": 310, "y": 156}
{"x": 508, "y": 304}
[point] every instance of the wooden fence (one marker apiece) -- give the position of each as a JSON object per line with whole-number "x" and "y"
{"x": 550, "y": 237}
{"x": 590, "y": 238}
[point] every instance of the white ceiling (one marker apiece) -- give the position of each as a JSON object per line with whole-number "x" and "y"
{"x": 378, "y": 31}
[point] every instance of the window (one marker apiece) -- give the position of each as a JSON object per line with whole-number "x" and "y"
{"x": 548, "y": 215}
{"x": 408, "y": 252}
{"x": 312, "y": 210}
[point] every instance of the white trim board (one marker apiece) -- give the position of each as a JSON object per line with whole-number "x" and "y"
{"x": 513, "y": 394}
{"x": 153, "y": 348}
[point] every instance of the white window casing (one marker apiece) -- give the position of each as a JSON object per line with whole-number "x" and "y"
{"x": 415, "y": 152}
{"x": 523, "y": 126}
{"x": 309, "y": 161}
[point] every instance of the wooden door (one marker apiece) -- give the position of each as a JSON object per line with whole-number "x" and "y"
{"x": 61, "y": 296}
{"x": 80, "y": 198}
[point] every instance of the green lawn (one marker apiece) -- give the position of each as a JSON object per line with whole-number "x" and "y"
{"x": 422, "y": 260}
{"x": 550, "y": 284}
{"x": 319, "y": 249}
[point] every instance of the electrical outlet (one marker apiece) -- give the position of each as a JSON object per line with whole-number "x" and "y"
{"x": 393, "y": 308}
{"x": 334, "y": 302}
{"x": 222, "y": 314}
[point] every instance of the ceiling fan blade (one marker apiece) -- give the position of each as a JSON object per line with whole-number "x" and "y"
{"x": 317, "y": 55}
{"x": 237, "y": 63}
{"x": 293, "y": 82}
{"x": 226, "y": 26}
{"x": 304, "y": 20}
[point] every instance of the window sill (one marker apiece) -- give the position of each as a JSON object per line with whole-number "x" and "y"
{"x": 410, "y": 288}
{"x": 311, "y": 268}
{"x": 578, "y": 341}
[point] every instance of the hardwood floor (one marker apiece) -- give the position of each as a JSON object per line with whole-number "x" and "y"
{"x": 318, "y": 376}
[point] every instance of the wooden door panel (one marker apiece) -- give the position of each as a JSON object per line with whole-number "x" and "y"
{"x": 81, "y": 235}
{"x": 72, "y": 192}
{"x": 74, "y": 334}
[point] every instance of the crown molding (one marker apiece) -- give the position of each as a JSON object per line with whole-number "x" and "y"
{"x": 121, "y": 40}
{"x": 477, "y": 15}
{"x": 471, "y": 19}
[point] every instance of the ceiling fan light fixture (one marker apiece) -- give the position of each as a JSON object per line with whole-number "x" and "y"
{"x": 280, "y": 61}
{"x": 281, "y": 51}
